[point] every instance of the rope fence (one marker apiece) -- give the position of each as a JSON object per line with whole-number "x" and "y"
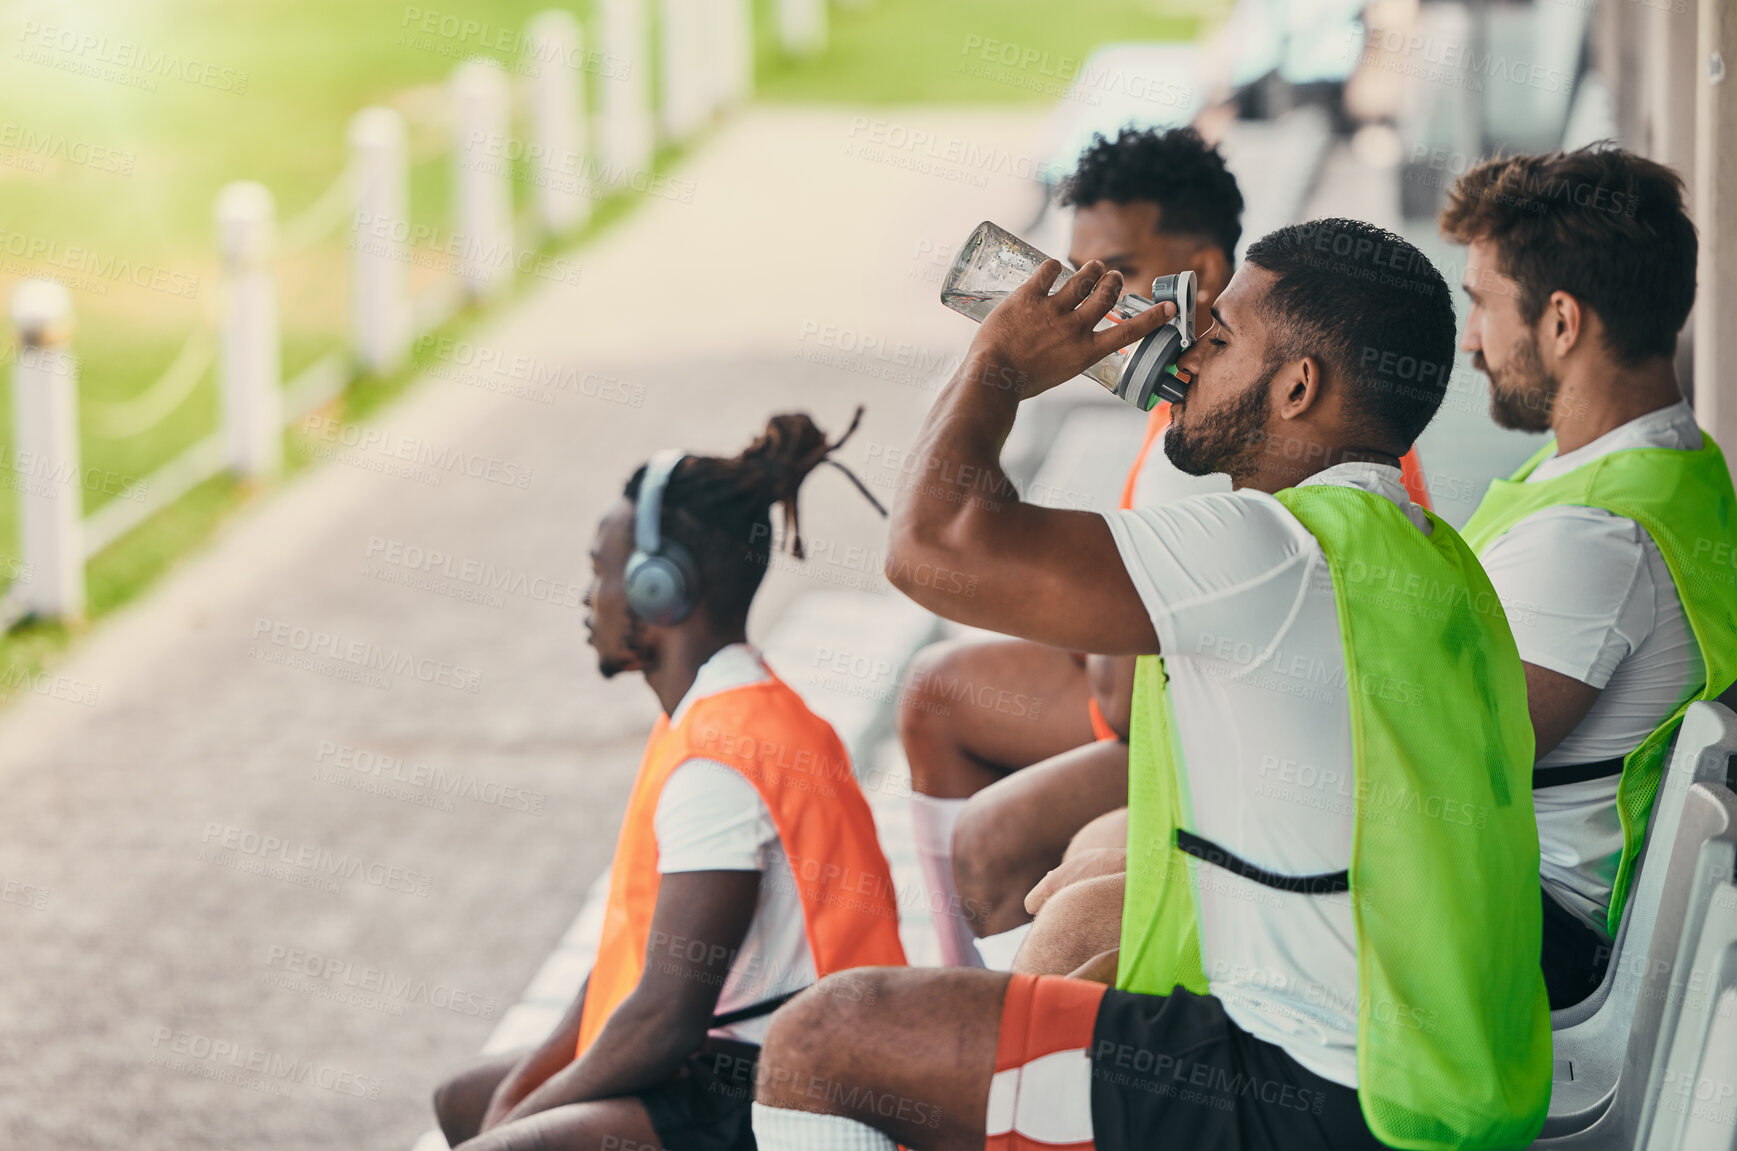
{"x": 706, "y": 66}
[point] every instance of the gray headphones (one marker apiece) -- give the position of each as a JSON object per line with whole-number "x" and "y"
{"x": 662, "y": 582}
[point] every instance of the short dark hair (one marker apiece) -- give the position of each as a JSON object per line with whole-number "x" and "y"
{"x": 1371, "y": 308}
{"x": 720, "y": 510}
{"x": 1600, "y": 223}
{"x": 1175, "y": 169}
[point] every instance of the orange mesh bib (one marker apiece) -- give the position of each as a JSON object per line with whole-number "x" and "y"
{"x": 801, "y": 771}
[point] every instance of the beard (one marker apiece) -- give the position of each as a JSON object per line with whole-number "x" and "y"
{"x": 1228, "y": 440}
{"x": 641, "y": 655}
{"x": 1522, "y": 393}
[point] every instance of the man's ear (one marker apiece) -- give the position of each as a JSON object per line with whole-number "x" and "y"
{"x": 1297, "y": 387}
{"x": 1562, "y": 327}
{"x": 1212, "y": 271}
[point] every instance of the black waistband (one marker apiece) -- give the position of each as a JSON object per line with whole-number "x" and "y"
{"x": 1576, "y": 772}
{"x": 755, "y": 1010}
{"x": 1331, "y": 883}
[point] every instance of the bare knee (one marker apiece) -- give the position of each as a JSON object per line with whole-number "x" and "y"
{"x": 926, "y": 718}
{"x": 1079, "y": 922}
{"x": 1108, "y": 830}
{"x": 463, "y": 1099}
{"x": 447, "y": 1099}
{"x": 990, "y": 870}
{"x": 811, "y": 1039}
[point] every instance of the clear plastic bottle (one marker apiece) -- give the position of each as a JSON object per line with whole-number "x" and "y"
{"x": 993, "y": 262}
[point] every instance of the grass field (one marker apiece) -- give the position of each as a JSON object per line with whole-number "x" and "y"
{"x": 121, "y": 119}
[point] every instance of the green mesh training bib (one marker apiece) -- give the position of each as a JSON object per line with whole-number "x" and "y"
{"x": 1685, "y": 502}
{"x": 1453, "y": 1028}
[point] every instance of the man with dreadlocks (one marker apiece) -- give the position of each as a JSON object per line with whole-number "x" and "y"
{"x": 747, "y": 866}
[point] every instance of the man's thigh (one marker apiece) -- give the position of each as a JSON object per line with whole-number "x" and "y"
{"x": 1012, "y": 833}
{"x": 1050, "y": 802}
{"x": 601, "y": 1125}
{"x": 1009, "y": 702}
{"x": 908, "y": 1051}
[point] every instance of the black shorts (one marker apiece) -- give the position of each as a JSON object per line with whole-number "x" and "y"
{"x": 1574, "y": 958}
{"x": 1172, "y": 1071}
{"x": 707, "y": 1105}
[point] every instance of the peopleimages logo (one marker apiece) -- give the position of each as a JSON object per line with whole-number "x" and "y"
{"x": 256, "y": 1068}
{"x": 389, "y": 447}
{"x": 503, "y": 370}
{"x": 323, "y": 971}
{"x": 24, "y": 894}
{"x": 426, "y": 245}
{"x": 272, "y": 850}
{"x": 466, "y": 35}
{"x": 54, "y": 685}
{"x": 473, "y": 572}
{"x": 37, "y": 146}
{"x": 92, "y": 271}
{"x": 1069, "y": 77}
{"x": 364, "y": 764}
{"x": 368, "y": 657}
{"x": 104, "y": 58}
{"x": 957, "y": 158}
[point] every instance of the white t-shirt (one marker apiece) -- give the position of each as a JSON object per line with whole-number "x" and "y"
{"x": 1588, "y": 595}
{"x": 1242, "y": 601}
{"x": 709, "y": 818}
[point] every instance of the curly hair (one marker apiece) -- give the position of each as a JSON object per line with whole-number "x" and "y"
{"x": 720, "y": 509}
{"x": 1600, "y": 223}
{"x": 1176, "y": 169}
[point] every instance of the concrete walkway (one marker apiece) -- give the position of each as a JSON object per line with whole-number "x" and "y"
{"x": 258, "y": 895}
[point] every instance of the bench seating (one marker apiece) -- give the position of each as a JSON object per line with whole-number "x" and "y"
{"x": 1605, "y": 1046}
{"x": 1691, "y": 1100}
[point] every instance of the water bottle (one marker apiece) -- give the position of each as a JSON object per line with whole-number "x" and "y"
{"x": 993, "y": 262}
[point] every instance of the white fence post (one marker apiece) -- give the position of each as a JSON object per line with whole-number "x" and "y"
{"x": 706, "y": 56}
{"x": 249, "y": 351}
{"x": 715, "y": 55}
{"x": 627, "y": 144}
{"x": 482, "y": 194}
{"x": 45, "y": 456}
{"x": 379, "y": 239}
{"x": 802, "y": 26}
{"x": 738, "y": 50}
{"x": 558, "y": 121}
{"x": 686, "y": 66}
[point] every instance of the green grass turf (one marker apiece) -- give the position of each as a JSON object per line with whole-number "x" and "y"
{"x": 288, "y": 74}
{"x": 920, "y": 51}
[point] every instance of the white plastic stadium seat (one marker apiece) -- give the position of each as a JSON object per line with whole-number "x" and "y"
{"x": 1691, "y": 1098}
{"x": 1604, "y": 1047}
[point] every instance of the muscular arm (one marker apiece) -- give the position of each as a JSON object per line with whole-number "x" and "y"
{"x": 665, "y": 1018}
{"x": 1567, "y": 577}
{"x": 1558, "y": 703}
{"x": 545, "y": 1059}
{"x": 961, "y": 543}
